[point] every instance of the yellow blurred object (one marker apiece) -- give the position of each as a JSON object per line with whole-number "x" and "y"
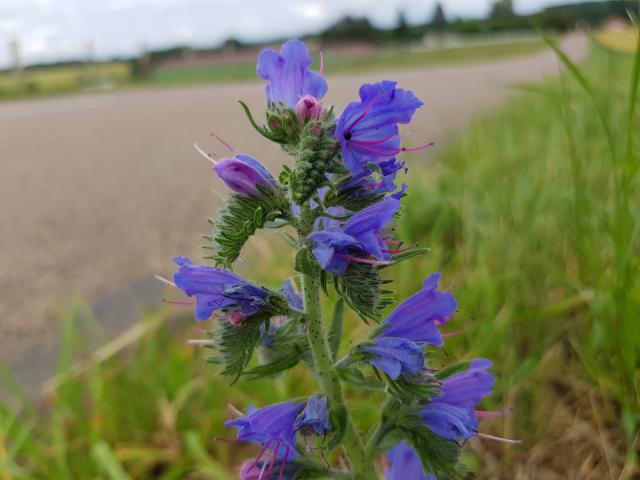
{"x": 619, "y": 39}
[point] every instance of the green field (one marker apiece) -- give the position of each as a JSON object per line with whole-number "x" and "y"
{"x": 532, "y": 217}
{"x": 95, "y": 77}
{"x": 67, "y": 79}
{"x": 382, "y": 59}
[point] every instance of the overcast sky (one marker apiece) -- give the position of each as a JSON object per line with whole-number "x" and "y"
{"x": 51, "y": 30}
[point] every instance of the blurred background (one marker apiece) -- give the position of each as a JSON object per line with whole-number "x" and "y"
{"x": 528, "y": 202}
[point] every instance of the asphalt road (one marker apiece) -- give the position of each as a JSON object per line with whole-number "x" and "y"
{"x": 98, "y": 191}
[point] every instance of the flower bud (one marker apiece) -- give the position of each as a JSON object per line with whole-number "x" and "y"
{"x": 309, "y": 108}
{"x": 243, "y": 173}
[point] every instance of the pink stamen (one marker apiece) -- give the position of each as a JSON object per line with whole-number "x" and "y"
{"x": 373, "y": 142}
{"x": 284, "y": 461}
{"x": 321, "y": 62}
{"x": 204, "y": 154}
{"x": 179, "y": 302}
{"x": 454, "y": 333}
{"x": 393, "y": 241}
{"x": 486, "y": 436}
{"x": 362, "y": 115}
{"x": 490, "y": 414}
{"x": 366, "y": 260}
{"x": 164, "y": 280}
{"x": 275, "y": 455}
{"x": 417, "y": 149}
{"x": 260, "y": 454}
{"x": 400, "y": 250}
{"x": 223, "y": 142}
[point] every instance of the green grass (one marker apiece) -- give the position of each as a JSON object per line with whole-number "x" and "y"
{"x": 532, "y": 217}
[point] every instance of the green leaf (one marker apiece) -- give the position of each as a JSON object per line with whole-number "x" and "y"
{"x": 281, "y": 364}
{"x": 410, "y": 254}
{"x": 338, "y": 419}
{"x": 239, "y": 220}
{"x": 356, "y": 377}
{"x": 335, "y": 331}
{"x": 452, "y": 370}
{"x": 305, "y": 262}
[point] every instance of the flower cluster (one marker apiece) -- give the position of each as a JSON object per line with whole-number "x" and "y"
{"x": 339, "y": 201}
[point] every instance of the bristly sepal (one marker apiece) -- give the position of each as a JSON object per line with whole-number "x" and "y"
{"x": 239, "y": 219}
{"x": 438, "y": 455}
{"x": 360, "y": 288}
{"x": 236, "y": 344}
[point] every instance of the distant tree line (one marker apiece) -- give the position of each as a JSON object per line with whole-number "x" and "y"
{"x": 502, "y": 17}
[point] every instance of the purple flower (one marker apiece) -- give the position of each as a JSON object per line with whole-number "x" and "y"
{"x": 242, "y": 173}
{"x": 451, "y": 415}
{"x": 396, "y": 355}
{"x": 288, "y": 74}
{"x": 315, "y": 416}
{"x": 368, "y": 130}
{"x": 294, "y": 298}
{"x": 272, "y": 427}
{"x": 274, "y": 469}
{"x": 358, "y": 239}
{"x": 418, "y": 317}
{"x": 216, "y": 289}
{"x": 405, "y": 464}
{"x": 369, "y": 183}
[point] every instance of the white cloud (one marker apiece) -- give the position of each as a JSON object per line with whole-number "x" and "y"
{"x": 50, "y": 30}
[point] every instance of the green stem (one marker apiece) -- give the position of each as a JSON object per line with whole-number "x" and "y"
{"x": 374, "y": 440}
{"x": 361, "y": 467}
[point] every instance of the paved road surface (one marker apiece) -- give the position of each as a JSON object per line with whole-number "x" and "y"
{"x": 98, "y": 191}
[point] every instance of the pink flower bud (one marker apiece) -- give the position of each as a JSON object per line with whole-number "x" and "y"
{"x": 309, "y": 108}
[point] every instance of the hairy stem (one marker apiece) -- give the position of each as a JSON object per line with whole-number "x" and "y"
{"x": 362, "y": 468}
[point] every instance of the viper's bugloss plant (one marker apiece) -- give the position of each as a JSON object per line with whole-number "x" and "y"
{"x": 341, "y": 199}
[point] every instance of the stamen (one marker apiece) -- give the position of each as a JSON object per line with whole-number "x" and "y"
{"x": 490, "y": 414}
{"x": 260, "y": 453}
{"x": 366, "y": 260}
{"x": 227, "y": 145}
{"x": 164, "y": 280}
{"x": 401, "y": 250}
{"x": 274, "y": 456}
{"x": 454, "y": 333}
{"x": 284, "y": 461}
{"x": 321, "y": 62}
{"x": 373, "y": 142}
{"x": 362, "y": 115}
{"x": 179, "y": 302}
{"x": 204, "y": 154}
{"x": 264, "y": 465}
{"x": 417, "y": 149}
{"x": 486, "y": 436}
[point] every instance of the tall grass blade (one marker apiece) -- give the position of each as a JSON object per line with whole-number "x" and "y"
{"x": 105, "y": 458}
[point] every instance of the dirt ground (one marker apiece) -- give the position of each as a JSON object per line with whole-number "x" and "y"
{"x": 98, "y": 191}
